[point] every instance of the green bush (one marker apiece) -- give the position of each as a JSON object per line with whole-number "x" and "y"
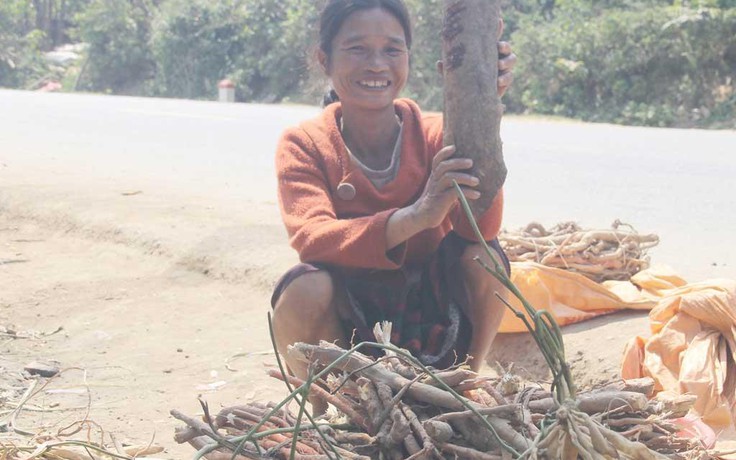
{"x": 259, "y": 44}
{"x": 279, "y": 37}
{"x": 195, "y": 44}
{"x": 118, "y": 58}
{"x": 658, "y": 66}
{"x": 647, "y": 62}
{"x": 21, "y": 61}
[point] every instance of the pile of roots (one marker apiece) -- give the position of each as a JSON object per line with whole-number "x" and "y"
{"x": 395, "y": 408}
{"x": 617, "y": 253}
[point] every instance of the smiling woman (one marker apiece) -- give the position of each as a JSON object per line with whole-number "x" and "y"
{"x": 366, "y": 194}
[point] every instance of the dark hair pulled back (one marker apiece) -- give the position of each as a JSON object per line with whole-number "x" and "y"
{"x": 336, "y": 12}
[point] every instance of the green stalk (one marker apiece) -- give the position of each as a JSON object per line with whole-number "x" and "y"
{"x": 289, "y": 387}
{"x": 546, "y": 331}
{"x": 298, "y": 423}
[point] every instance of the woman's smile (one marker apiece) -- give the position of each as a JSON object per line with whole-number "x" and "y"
{"x": 374, "y": 85}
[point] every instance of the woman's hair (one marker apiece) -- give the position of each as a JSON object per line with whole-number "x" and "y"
{"x": 336, "y": 12}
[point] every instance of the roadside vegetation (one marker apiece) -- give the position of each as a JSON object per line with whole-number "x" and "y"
{"x": 637, "y": 62}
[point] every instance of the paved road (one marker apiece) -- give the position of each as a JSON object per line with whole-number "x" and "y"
{"x": 677, "y": 183}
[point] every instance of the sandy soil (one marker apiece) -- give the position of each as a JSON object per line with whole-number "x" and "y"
{"x": 149, "y": 320}
{"x": 143, "y": 275}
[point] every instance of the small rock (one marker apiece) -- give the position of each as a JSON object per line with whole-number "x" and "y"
{"x": 44, "y": 370}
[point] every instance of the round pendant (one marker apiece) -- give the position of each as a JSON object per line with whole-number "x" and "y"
{"x": 346, "y": 191}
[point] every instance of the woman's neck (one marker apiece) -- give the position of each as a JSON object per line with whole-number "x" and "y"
{"x": 371, "y": 136}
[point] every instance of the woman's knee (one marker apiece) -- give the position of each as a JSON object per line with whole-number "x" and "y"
{"x": 311, "y": 296}
{"x": 470, "y": 260}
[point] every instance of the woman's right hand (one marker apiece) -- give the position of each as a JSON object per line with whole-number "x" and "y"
{"x": 439, "y": 194}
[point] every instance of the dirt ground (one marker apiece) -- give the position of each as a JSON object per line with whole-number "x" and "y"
{"x": 142, "y": 325}
{"x": 145, "y": 273}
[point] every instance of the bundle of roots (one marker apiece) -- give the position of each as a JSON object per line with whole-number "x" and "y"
{"x": 617, "y": 253}
{"x": 395, "y": 408}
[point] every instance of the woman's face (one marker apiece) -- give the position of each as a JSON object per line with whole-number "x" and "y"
{"x": 369, "y": 64}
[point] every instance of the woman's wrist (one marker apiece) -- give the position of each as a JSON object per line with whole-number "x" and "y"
{"x": 402, "y": 225}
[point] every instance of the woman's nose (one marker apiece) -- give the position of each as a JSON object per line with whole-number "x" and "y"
{"x": 377, "y": 61}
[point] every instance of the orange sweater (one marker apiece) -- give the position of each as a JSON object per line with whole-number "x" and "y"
{"x": 312, "y": 161}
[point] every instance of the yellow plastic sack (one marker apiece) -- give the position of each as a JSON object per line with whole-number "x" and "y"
{"x": 693, "y": 344}
{"x": 693, "y": 347}
{"x": 568, "y": 296}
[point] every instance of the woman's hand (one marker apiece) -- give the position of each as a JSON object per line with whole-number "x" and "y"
{"x": 436, "y": 201}
{"x": 439, "y": 195}
{"x": 506, "y": 62}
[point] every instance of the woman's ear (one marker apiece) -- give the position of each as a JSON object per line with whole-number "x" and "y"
{"x": 323, "y": 61}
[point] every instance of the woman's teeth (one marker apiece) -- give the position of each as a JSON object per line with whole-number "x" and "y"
{"x": 375, "y": 83}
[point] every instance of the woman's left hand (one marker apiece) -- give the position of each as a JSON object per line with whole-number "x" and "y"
{"x": 506, "y": 63}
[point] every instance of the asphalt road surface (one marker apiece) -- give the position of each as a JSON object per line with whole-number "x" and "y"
{"x": 676, "y": 183}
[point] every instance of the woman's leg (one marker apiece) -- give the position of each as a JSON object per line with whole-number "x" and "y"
{"x": 308, "y": 311}
{"x": 484, "y": 310}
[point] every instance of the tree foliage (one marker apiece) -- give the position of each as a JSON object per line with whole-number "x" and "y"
{"x": 261, "y": 45}
{"x": 657, "y": 66}
{"x": 119, "y": 60}
{"x": 20, "y": 44}
{"x": 652, "y": 62}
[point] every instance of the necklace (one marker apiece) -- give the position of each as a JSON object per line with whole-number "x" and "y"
{"x": 358, "y": 156}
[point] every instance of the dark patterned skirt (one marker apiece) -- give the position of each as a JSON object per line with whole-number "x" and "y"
{"x": 424, "y": 302}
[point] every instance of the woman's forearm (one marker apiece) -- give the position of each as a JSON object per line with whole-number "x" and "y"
{"x": 402, "y": 225}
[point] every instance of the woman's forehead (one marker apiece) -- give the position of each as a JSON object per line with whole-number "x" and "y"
{"x": 372, "y": 23}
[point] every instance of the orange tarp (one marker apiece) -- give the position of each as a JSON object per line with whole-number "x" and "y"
{"x": 693, "y": 344}
{"x": 568, "y": 296}
{"x": 693, "y": 347}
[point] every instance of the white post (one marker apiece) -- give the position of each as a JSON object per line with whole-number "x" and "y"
{"x": 226, "y": 89}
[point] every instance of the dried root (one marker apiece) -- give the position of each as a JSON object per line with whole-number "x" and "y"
{"x": 601, "y": 255}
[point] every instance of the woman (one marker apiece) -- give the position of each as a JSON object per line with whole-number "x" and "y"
{"x": 366, "y": 196}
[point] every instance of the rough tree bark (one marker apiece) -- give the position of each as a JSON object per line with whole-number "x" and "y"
{"x": 473, "y": 108}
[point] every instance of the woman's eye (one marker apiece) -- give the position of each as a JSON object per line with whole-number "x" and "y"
{"x": 356, "y": 49}
{"x": 394, "y": 51}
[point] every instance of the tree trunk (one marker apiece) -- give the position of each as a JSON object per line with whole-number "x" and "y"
{"x": 473, "y": 108}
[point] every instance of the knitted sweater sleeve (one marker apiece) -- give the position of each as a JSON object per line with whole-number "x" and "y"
{"x": 314, "y": 229}
{"x": 490, "y": 222}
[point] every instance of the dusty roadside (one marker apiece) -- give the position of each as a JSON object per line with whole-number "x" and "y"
{"x": 152, "y": 238}
{"x": 141, "y": 332}
{"x": 149, "y": 321}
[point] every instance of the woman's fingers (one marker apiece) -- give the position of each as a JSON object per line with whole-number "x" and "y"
{"x": 506, "y": 60}
{"x": 442, "y": 155}
{"x": 504, "y": 48}
{"x": 453, "y": 164}
{"x": 470, "y": 193}
{"x": 504, "y": 81}
{"x": 460, "y": 178}
{"x": 445, "y": 171}
{"x": 506, "y": 63}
